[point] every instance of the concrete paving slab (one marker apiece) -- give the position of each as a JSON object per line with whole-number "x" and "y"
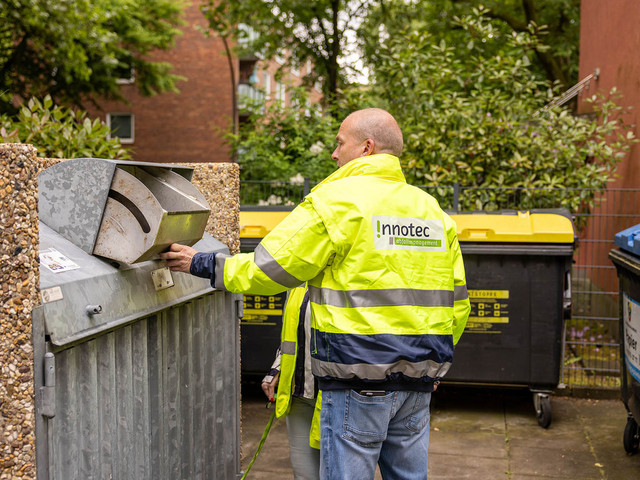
{"x": 554, "y": 462}
{"x": 461, "y": 467}
{"x": 475, "y": 444}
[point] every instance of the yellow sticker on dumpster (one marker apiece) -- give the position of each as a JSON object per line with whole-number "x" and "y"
{"x": 263, "y": 309}
{"x": 489, "y": 310}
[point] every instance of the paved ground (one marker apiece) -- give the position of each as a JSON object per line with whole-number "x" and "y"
{"x": 484, "y": 434}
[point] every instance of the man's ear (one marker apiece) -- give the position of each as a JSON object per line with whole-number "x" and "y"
{"x": 369, "y": 146}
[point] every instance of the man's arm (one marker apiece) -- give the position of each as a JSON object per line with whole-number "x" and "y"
{"x": 461, "y": 304}
{"x": 295, "y": 251}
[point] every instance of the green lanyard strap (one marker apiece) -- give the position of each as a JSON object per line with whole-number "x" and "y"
{"x": 264, "y": 437}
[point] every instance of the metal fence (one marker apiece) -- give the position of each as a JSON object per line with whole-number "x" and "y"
{"x": 591, "y": 343}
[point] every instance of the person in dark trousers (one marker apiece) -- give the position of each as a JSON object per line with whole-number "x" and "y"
{"x": 387, "y": 292}
{"x": 296, "y": 387}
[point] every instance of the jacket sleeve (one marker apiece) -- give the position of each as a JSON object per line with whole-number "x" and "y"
{"x": 461, "y": 304}
{"x": 275, "y": 368}
{"x": 295, "y": 251}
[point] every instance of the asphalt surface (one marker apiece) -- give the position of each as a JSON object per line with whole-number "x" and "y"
{"x": 484, "y": 434}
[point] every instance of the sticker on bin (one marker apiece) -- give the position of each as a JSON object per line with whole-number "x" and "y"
{"x": 631, "y": 325}
{"x": 263, "y": 309}
{"x": 489, "y": 311}
{"x": 56, "y": 261}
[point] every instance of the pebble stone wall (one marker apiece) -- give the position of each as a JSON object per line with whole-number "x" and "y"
{"x": 20, "y": 290}
{"x": 219, "y": 182}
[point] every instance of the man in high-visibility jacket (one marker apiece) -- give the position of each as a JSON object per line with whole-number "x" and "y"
{"x": 387, "y": 292}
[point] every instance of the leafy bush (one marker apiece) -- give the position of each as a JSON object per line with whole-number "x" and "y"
{"x": 478, "y": 119}
{"x": 280, "y": 142}
{"x": 59, "y": 132}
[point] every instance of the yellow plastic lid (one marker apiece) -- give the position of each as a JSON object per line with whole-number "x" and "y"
{"x": 256, "y": 224}
{"x": 514, "y": 227}
{"x": 498, "y": 227}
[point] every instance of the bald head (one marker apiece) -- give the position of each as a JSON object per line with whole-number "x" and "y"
{"x": 367, "y": 132}
{"x": 380, "y": 126}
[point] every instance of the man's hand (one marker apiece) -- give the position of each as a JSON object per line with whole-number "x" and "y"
{"x": 179, "y": 257}
{"x": 269, "y": 388}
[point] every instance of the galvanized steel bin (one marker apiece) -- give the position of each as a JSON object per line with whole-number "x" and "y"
{"x": 136, "y": 368}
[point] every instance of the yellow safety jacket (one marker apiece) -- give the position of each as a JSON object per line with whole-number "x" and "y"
{"x": 288, "y": 358}
{"x": 289, "y": 350}
{"x": 385, "y": 274}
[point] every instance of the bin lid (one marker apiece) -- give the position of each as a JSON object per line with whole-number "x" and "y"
{"x": 257, "y": 223}
{"x": 506, "y": 226}
{"x": 629, "y": 239}
{"x": 509, "y": 226}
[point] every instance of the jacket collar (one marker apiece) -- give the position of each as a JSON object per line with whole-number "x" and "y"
{"x": 381, "y": 165}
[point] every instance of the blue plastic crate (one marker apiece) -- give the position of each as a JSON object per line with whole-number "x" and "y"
{"x": 629, "y": 239}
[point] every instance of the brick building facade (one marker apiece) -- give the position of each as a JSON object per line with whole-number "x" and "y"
{"x": 189, "y": 126}
{"x": 185, "y": 126}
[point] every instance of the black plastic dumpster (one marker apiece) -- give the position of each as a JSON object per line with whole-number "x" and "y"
{"x": 518, "y": 268}
{"x": 261, "y": 323}
{"x": 627, "y": 262}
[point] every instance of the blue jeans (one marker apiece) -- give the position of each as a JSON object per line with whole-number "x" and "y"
{"x": 358, "y": 432}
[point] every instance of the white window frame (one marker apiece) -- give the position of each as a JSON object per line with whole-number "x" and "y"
{"x": 127, "y": 81}
{"x": 123, "y": 140}
{"x": 267, "y": 85}
{"x": 281, "y": 92}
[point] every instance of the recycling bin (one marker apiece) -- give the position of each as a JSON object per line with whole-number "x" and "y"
{"x": 261, "y": 322}
{"x": 627, "y": 262}
{"x": 517, "y": 268}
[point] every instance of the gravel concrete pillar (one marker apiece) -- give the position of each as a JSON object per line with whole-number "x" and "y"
{"x": 220, "y": 184}
{"x": 20, "y": 281}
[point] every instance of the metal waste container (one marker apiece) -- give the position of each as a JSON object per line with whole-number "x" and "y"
{"x": 627, "y": 262}
{"x": 518, "y": 268}
{"x": 136, "y": 367}
{"x": 261, "y": 323}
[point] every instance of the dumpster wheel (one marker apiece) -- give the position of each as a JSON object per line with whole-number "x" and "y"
{"x": 631, "y": 436}
{"x": 542, "y": 403}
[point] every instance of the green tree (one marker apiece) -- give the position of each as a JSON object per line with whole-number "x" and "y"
{"x": 75, "y": 49}
{"x": 281, "y": 142}
{"x": 556, "y": 24}
{"x": 479, "y": 120}
{"x": 59, "y": 132}
{"x": 322, "y": 31}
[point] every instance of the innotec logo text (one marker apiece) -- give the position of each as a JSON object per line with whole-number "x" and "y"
{"x": 408, "y": 233}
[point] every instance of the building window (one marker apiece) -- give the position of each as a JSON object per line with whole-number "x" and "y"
{"x": 121, "y": 125}
{"x": 280, "y": 92}
{"x": 126, "y": 76}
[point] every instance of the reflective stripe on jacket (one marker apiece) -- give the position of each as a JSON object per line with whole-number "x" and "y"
{"x": 385, "y": 275}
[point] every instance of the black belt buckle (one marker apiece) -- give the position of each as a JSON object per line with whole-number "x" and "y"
{"x": 372, "y": 393}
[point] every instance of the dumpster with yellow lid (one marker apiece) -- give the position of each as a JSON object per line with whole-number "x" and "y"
{"x": 518, "y": 268}
{"x": 261, "y": 324}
